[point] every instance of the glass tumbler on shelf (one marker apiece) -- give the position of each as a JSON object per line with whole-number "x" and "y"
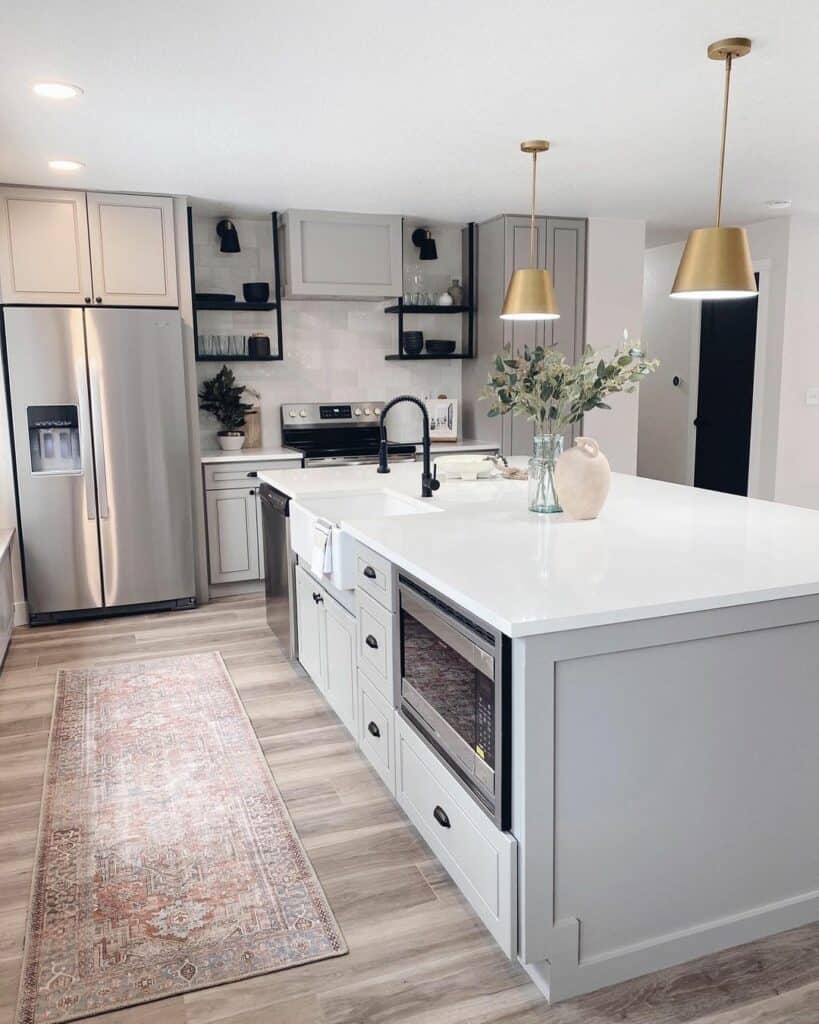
{"x": 546, "y": 450}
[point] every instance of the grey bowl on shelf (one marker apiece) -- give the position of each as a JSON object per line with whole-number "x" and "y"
{"x": 412, "y": 342}
{"x": 436, "y": 347}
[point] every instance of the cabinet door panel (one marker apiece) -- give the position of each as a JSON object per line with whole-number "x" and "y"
{"x": 132, "y": 249}
{"x": 341, "y": 667}
{"x": 44, "y": 247}
{"x": 311, "y": 627}
{"x": 348, "y": 255}
{"x": 233, "y": 539}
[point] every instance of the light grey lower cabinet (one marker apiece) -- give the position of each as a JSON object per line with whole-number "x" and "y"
{"x": 234, "y": 518}
{"x": 234, "y": 552}
{"x": 327, "y": 646}
{"x": 503, "y": 247}
{"x": 329, "y": 254}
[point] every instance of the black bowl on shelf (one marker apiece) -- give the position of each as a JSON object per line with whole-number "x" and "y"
{"x": 256, "y": 291}
{"x": 412, "y": 342}
{"x": 436, "y": 347}
{"x": 214, "y": 298}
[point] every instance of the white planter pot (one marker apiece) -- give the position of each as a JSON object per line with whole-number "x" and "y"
{"x": 232, "y": 441}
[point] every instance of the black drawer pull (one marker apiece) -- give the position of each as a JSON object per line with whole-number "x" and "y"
{"x": 369, "y": 572}
{"x": 440, "y": 815}
{"x": 373, "y": 730}
{"x": 252, "y": 491}
{"x": 318, "y": 598}
{"x": 253, "y": 472}
{"x": 370, "y": 641}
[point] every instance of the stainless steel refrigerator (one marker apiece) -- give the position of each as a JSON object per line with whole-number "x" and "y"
{"x": 97, "y": 407}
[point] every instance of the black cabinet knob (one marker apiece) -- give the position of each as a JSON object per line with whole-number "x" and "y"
{"x": 373, "y": 730}
{"x": 87, "y": 298}
{"x": 252, "y": 490}
{"x": 370, "y": 641}
{"x": 369, "y": 572}
{"x": 98, "y": 299}
{"x": 441, "y": 817}
{"x": 253, "y": 473}
{"x": 318, "y": 598}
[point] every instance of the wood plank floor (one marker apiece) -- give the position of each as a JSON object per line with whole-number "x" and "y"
{"x": 417, "y": 952}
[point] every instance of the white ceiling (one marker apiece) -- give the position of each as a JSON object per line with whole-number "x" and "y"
{"x": 419, "y": 106}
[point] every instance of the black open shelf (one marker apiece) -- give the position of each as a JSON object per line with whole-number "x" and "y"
{"x": 432, "y": 355}
{"x": 235, "y": 307}
{"x": 467, "y": 311}
{"x": 404, "y": 308}
{"x": 238, "y": 359}
{"x": 241, "y": 307}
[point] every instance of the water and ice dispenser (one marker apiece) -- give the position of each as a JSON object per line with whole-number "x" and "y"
{"x": 54, "y": 439}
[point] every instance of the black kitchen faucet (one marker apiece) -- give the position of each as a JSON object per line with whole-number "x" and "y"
{"x": 429, "y": 483}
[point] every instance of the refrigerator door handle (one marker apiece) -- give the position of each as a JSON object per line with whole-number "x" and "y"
{"x": 99, "y": 440}
{"x": 86, "y": 451}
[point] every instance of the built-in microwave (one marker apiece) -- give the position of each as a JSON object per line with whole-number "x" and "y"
{"x": 454, "y": 690}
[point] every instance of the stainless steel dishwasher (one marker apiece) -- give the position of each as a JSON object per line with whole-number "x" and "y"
{"x": 279, "y": 568}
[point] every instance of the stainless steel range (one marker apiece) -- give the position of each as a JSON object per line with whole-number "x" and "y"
{"x": 342, "y": 434}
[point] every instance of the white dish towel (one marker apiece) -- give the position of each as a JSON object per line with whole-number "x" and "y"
{"x": 321, "y": 560}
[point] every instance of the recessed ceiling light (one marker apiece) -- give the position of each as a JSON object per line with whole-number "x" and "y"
{"x": 779, "y": 204}
{"x": 57, "y": 90}
{"x": 65, "y": 165}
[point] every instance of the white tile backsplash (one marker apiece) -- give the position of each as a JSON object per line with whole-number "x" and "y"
{"x": 333, "y": 350}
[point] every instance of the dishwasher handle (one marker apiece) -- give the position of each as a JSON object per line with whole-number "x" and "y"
{"x": 275, "y": 500}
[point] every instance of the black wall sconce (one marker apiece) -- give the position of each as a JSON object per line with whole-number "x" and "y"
{"x": 226, "y": 230}
{"x": 422, "y": 238}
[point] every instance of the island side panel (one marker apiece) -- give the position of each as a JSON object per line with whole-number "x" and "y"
{"x": 673, "y": 809}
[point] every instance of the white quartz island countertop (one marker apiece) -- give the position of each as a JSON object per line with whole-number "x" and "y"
{"x": 657, "y": 549}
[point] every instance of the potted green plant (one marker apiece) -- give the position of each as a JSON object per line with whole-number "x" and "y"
{"x": 221, "y": 396}
{"x": 541, "y": 385}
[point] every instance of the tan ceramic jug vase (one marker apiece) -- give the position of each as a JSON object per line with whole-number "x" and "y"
{"x": 582, "y": 478}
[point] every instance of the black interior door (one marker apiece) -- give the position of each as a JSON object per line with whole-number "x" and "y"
{"x": 726, "y": 393}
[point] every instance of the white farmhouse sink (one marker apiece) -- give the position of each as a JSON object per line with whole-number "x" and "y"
{"x": 337, "y": 508}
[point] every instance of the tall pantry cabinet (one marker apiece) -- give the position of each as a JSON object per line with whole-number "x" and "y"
{"x": 503, "y": 246}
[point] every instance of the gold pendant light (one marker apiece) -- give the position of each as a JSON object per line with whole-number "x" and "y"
{"x": 716, "y": 262}
{"x": 530, "y": 295}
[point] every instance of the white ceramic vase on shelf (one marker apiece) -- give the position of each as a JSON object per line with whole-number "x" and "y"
{"x": 582, "y": 479}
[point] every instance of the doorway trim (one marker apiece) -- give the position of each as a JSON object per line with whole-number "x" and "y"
{"x": 763, "y": 268}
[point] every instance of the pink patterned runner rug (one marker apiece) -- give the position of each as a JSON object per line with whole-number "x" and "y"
{"x": 166, "y": 859}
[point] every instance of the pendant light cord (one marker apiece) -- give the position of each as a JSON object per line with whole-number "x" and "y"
{"x": 726, "y": 94}
{"x": 532, "y": 219}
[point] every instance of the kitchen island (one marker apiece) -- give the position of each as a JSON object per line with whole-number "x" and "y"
{"x": 664, "y": 714}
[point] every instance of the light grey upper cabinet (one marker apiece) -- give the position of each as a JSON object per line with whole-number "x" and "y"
{"x": 132, "y": 249}
{"x": 503, "y": 247}
{"x": 44, "y": 247}
{"x": 77, "y": 248}
{"x": 341, "y": 255}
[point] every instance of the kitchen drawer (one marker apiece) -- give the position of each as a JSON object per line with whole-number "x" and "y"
{"x": 375, "y": 640}
{"x": 221, "y": 475}
{"x": 374, "y": 575}
{"x": 481, "y": 860}
{"x": 376, "y": 737}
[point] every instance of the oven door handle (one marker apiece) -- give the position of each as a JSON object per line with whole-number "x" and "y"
{"x": 428, "y": 616}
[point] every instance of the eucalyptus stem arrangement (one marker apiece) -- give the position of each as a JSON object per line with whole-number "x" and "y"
{"x": 541, "y": 385}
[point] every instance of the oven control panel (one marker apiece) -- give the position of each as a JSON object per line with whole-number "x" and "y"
{"x": 311, "y": 413}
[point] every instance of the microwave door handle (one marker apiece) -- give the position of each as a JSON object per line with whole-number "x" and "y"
{"x": 99, "y": 438}
{"x": 477, "y": 657}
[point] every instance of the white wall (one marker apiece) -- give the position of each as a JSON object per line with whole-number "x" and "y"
{"x": 797, "y": 465}
{"x": 8, "y": 513}
{"x": 333, "y": 350}
{"x": 671, "y": 333}
{"x": 614, "y": 301}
